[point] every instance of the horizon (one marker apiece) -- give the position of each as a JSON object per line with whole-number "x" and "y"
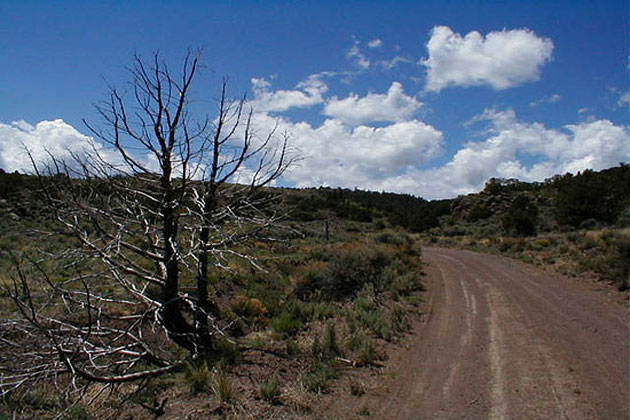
{"x": 430, "y": 99}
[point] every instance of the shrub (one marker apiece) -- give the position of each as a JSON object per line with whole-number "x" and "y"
{"x": 357, "y": 388}
{"x": 226, "y": 351}
{"x": 618, "y": 261}
{"x": 393, "y": 237}
{"x": 364, "y": 349}
{"x": 292, "y": 348}
{"x": 406, "y": 284}
{"x": 319, "y": 380}
{"x": 270, "y": 390}
{"x": 478, "y": 212}
{"x": 257, "y": 342}
{"x": 543, "y": 243}
{"x": 198, "y": 375}
{"x": 364, "y": 412}
{"x": 589, "y": 241}
{"x": 248, "y": 307}
{"x": 223, "y": 388}
{"x": 521, "y": 217}
{"x": 296, "y": 396}
{"x": 348, "y": 268}
{"x": 375, "y": 322}
{"x": 286, "y": 324}
{"x": 327, "y": 347}
{"x": 400, "y": 322}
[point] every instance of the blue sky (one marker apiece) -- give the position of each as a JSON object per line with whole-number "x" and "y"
{"x": 430, "y": 98}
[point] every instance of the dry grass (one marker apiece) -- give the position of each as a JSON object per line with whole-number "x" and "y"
{"x": 296, "y": 396}
{"x": 604, "y": 253}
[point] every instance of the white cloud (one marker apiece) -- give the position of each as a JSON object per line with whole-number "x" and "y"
{"x": 552, "y": 99}
{"x": 512, "y": 144}
{"x": 387, "y": 158}
{"x": 375, "y": 43}
{"x": 309, "y": 93}
{"x": 336, "y": 154}
{"x": 392, "y": 158}
{"x": 355, "y": 55}
{"x": 390, "y": 64}
{"x": 501, "y": 59}
{"x": 624, "y": 99}
{"x": 46, "y": 138}
{"x": 395, "y": 105}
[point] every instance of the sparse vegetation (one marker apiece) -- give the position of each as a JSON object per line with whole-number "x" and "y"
{"x": 357, "y": 388}
{"x": 223, "y": 388}
{"x": 573, "y": 224}
{"x": 271, "y": 390}
{"x": 279, "y": 315}
{"x": 327, "y": 299}
{"x": 198, "y": 376}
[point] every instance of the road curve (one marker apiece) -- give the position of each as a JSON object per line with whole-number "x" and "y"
{"x": 505, "y": 340}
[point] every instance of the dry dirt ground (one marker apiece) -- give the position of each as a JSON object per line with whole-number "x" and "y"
{"x": 503, "y": 340}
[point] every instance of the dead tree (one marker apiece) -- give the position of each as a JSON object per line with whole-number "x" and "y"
{"x": 152, "y": 218}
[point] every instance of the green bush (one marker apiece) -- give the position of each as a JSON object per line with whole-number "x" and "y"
{"x": 226, "y": 351}
{"x": 406, "y": 284}
{"x": 271, "y": 390}
{"x": 77, "y": 412}
{"x": 478, "y": 212}
{"x": 357, "y": 388}
{"x": 372, "y": 320}
{"x": 521, "y": 217}
{"x": 198, "y": 375}
{"x": 348, "y": 268}
{"x": 286, "y": 324}
{"x": 599, "y": 196}
{"x": 394, "y": 237}
{"x": 223, "y": 388}
{"x": 292, "y": 348}
{"x": 319, "y": 379}
{"x": 400, "y": 321}
{"x": 619, "y": 261}
{"x": 363, "y": 348}
{"x": 327, "y": 347}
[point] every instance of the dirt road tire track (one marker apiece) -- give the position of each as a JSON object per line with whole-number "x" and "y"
{"x": 505, "y": 340}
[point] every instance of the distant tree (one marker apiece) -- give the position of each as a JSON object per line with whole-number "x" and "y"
{"x": 154, "y": 218}
{"x": 600, "y": 196}
{"x": 493, "y": 186}
{"x": 11, "y": 183}
{"x": 521, "y": 217}
{"x": 478, "y": 212}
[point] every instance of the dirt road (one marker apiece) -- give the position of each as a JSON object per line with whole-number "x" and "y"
{"x": 505, "y": 340}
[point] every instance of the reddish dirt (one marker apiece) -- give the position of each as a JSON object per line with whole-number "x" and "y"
{"x": 503, "y": 340}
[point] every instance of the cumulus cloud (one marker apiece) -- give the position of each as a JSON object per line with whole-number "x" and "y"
{"x": 393, "y": 106}
{"x": 501, "y": 59}
{"x": 346, "y": 151}
{"x": 308, "y": 93}
{"x": 527, "y": 151}
{"x": 337, "y": 154}
{"x": 46, "y": 138}
{"x": 396, "y": 157}
{"x": 375, "y": 43}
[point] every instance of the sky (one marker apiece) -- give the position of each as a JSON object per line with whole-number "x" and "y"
{"x": 430, "y": 98}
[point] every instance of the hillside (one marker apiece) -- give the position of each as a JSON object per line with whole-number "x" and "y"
{"x": 296, "y": 308}
{"x": 562, "y": 203}
{"x": 336, "y": 287}
{"x": 573, "y": 224}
